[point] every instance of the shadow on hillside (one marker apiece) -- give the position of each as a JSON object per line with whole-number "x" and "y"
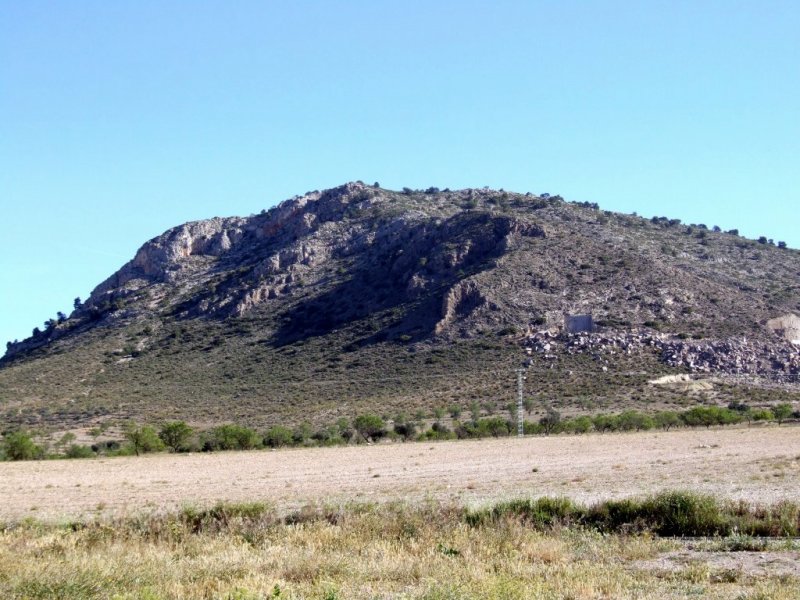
{"x": 378, "y": 290}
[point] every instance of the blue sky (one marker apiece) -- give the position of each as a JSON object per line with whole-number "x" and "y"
{"x": 121, "y": 119}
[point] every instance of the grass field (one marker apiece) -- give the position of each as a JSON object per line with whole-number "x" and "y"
{"x": 388, "y": 521}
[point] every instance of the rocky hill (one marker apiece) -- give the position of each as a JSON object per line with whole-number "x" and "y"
{"x": 360, "y": 297}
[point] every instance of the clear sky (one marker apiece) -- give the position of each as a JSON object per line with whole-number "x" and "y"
{"x": 121, "y": 119}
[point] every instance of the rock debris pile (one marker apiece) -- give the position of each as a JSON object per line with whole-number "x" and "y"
{"x": 737, "y": 356}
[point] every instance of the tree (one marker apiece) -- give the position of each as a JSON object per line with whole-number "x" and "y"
{"x": 61, "y": 317}
{"x": 782, "y": 412}
{"x": 405, "y": 429}
{"x": 603, "y": 423}
{"x": 580, "y": 424}
{"x": 301, "y": 433}
{"x": 143, "y": 439}
{"x": 278, "y": 436}
{"x": 782, "y": 245}
{"x": 550, "y": 421}
{"x": 19, "y": 446}
{"x": 76, "y": 304}
{"x": 666, "y": 419}
{"x": 175, "y": 434}
{"x": 369, "y": 426}
{"x": 528, "y": 404}
{"x": 232, "y": 437}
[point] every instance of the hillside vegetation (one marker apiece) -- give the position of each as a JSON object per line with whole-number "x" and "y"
{"x": 360, "y": 299}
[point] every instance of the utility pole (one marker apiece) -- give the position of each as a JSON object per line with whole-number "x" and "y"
{"x": 520, "y": 404}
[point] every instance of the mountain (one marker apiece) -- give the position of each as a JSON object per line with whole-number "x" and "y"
{"x": 361, "y": 298}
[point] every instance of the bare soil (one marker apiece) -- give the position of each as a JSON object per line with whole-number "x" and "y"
{"x": 759, "y": 464}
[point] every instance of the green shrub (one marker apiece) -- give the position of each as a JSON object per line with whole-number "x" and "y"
{"x": 487, "y": 427}
{"x": 79, "y": 451}
{"x": 666, "y": 420}
{"x": 143, "y": 439}
{"x": 369, "y": 426}
{"x": 278, "y": 436}
{"x": 582, "y": 424}
{"x": 231, "y": 437}
{"x": 684, "y": 513}
{"x": 175, "y": 435}
{"x": 19, "y": 445}
{"x": 782, "y": 412}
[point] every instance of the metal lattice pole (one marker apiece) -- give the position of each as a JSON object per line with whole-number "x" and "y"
{"x": 520, "y": 404}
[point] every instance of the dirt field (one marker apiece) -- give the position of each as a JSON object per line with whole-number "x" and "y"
{"x": 760, "y": 464}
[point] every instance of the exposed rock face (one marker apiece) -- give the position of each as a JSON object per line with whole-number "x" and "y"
{"x": 460, "y": 301}
{"x": 161, "y": 259}
{"x": 787, "y": 326}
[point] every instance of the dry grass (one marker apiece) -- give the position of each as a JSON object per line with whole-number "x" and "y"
{"x": 364, "y": 552}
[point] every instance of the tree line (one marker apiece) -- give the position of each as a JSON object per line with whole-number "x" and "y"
{"x": 178, "y": 436}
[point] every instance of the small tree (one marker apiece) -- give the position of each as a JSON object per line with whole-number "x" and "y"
{"x": 782, "y": 412}
{"x": 19, "y": 446}
{"x": 550, "y": 421}
{"x": 666, "y": 420}
{"x": 232, "y": 437}
{"x": 175, "y": 434}
{"x": 301, "y": 433}
{"x": 278, "y": 436}
{"x": 405, "y": 429}
{"x": 369, "y": 426}
{"x": 454, "y": 410}
{"x": 143, "y": 439}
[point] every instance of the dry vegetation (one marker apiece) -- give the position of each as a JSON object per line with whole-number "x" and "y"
{"x": 394, "y": 551}
{"x": 330, "y": 523}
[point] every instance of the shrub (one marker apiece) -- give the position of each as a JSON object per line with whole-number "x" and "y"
{"x": 231, "y": 437}
{"x": 603, "y": 423}
{"x": 369, "y": 426}
{"x": 762, "y": 414}
{"x": 302, "y": 433}
{"x": 79, "y": 451}
{"x": 710, "y": 415}
{"x": 19, "y": 446}
{"x": 684, "y": 513}
{"x": 143, "y": 439}
{"x": 666, "y": 420}
{"x": 782, "y": 412}
{"x": 550, "y": 421}
{"x": 405, "y": 429}
{"x": 488, "y": 427}
{"x": 278, "y": 436}
{"x": 438, "y": 432}
{"x": 175, "y": 435}
{"x": 581, "y": 424}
